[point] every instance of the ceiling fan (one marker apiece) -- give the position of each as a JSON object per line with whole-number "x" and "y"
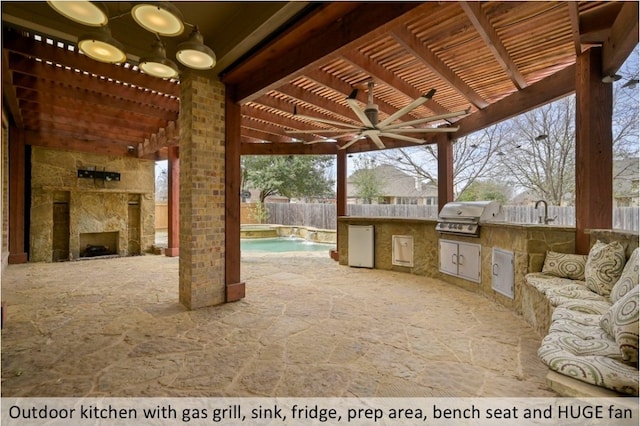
{"x": 373, "y": 129}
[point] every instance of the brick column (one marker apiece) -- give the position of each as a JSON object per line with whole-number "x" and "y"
{"x": 202, "y": 194}
{"x": 173, "y": 225}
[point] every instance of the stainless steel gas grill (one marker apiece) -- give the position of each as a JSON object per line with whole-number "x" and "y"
{"x": 464, "y": 218}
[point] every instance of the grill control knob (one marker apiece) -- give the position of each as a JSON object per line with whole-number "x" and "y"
{"x": 470, "y": 227}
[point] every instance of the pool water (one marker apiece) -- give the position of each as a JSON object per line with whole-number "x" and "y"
{"x": 278, "y": 245}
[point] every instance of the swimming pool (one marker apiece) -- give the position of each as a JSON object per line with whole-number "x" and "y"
{"x": 279, "y": 245}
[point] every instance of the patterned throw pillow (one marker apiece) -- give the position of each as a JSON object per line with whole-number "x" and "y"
{"x": 629, "y": 278}
{"x": 565, "y": 265}
{"x": 621, "y": 323}
{"x": 604, "y": 266}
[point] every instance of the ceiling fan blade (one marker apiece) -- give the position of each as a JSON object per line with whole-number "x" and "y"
{"x": 425, "y": 130}
{"x": 361, "y": 115}
{"x": 351, "y": 142}
{"x": 326, "y": 139}
{"x": 403, "y": 138}
{"x": 376, "y": 139}
{"x": 321, "y": 131}
{"x": 416, "y": 103}
{"x": 428, "y": 119}
{"x": 326, "y": 121}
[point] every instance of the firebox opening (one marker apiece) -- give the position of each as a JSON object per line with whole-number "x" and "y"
{"x": 93, "y": 244}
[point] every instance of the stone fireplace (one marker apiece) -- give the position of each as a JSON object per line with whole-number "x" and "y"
{"x": 69, "y": 213}
{"x": 94, "y": 244}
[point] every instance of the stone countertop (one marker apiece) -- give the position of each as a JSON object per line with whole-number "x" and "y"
{"x": 528, "y": 226}
{"x": 379, "y": 219}
{"x": 512, "y": 225}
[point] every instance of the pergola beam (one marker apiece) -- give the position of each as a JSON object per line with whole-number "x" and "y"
{"x": 622, "y": 39}
{"x": 492, "y": 40}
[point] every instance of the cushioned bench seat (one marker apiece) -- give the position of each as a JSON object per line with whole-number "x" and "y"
{"x": 591, "y": 328}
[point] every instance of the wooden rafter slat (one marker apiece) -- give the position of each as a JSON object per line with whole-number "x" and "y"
{"x": 488, "y": 34}
{"x": 410, "y": 43}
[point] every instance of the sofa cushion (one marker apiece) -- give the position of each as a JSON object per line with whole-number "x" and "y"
{"x": 621, "y": 322}
{"x": 543, "y": 282}
{"x": 565, "y": 265}
{"x": 558, "y": 296}
{"x": 564, "y": 313}
{"x": 589, "y": 307}
{"x": 588, "y": 361}
{"x": 629, "y": 278}
{"x": 583, "y": 331}
{"x": 604, "y": 266}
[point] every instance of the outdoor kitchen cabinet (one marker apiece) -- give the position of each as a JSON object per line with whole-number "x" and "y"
{"x": 460, "y": 259}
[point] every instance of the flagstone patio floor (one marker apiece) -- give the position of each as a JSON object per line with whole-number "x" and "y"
{"x": 307, "y": 327}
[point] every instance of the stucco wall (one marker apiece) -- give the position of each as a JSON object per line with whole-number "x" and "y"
{"x": 94, "y": 205}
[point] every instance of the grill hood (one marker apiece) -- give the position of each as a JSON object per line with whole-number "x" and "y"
{"x": 464, "y": 218}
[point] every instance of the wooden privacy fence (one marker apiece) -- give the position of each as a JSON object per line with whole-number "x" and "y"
{"x": 323, "y": 216}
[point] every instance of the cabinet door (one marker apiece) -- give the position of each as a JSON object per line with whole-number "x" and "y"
{"x": 502, "y": 269}
{"x": 448, "y": 257}
{"x": 469, "y": 261}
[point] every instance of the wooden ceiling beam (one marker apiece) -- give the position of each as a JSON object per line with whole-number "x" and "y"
{"x": 490, "y": 37}
{"x": 340, "y": 26}
{"x": 286, "y": 106}
{"x": 542, "y": 92}
{"x": 9, "y": 92}
{"x": 49, "y": 93}
{"x": 29, "y": 47}
{"x": 622, "y": 39}
{"x": 596, "y": 23}
{"x": 26, "y": 70}
{"x": 416, "y": 48}
{"x": 90, "y": 119}
{"x": 574, "y": 17}
{"x": 321, "y": 148}
{"x": 270, "y": 117}
{"x": 325, "y": 79}
{"x": 35, "y": 122}
{"x": 55, "y": 141}
{"x": 255, "y": 131}
{"x": 378, "y": 72}
{"x": 76, "y": 109}
{"x": 165, "y": 137}
{"x": 343, "y": 112}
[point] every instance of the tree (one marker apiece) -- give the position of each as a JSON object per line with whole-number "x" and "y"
{"x": 540, "y": 153}
{"x": 287, "y": 175}
{"x": 366, "y": 182}
{"x": 162, "y": 181}
{"x": 486, "y": 190}
{"x": 474, "y": 157}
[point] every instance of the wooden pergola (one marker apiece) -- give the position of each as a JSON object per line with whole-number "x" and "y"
{"x": 499, "y": 59}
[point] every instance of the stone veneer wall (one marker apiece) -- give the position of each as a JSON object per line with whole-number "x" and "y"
{"x": 94, "y": 205}
{"x": 202, "y": 192}
{"x": 528, "y": 242}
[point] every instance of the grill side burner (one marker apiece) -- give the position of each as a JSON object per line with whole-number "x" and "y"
{"x": 464, "y": 218}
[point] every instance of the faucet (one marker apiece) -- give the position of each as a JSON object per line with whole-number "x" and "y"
{"x": 546, "y": 219}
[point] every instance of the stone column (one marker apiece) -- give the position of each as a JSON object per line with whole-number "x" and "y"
{"x": 173, "y": 225}
{"x": 202, "y": 191}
